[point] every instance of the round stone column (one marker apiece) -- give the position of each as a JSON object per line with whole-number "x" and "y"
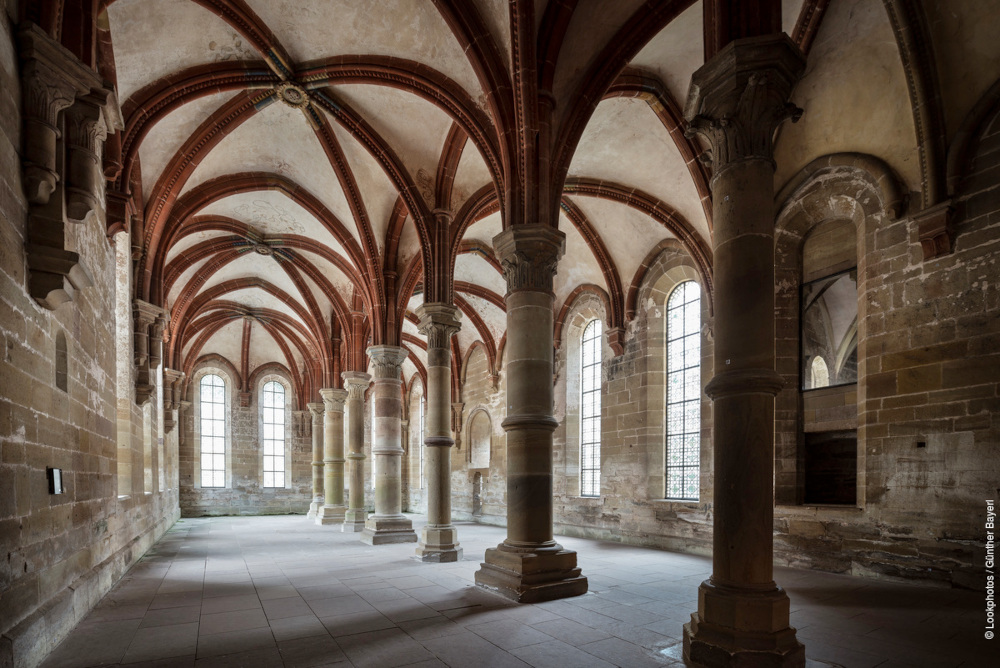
{"x": 357, "y": 383}
{"x": 736, "y": 101}
{"x": 332, "y": 511}
{"x": 316, "y": 408}
{"x": 529, "y": 566}
{"x": 388, "y": 524}
{"x": 439, "y": 539}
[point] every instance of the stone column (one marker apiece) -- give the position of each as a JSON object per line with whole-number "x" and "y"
{"x": 356, "y": 383}
{"x": 529, "y": 566}
{"x": 388, "y": 524}
{"x": 317, "y": 462}
{"x": 439, "y": 539}
{"x": 332, "y": 511}
{"x": 736, "y": 101}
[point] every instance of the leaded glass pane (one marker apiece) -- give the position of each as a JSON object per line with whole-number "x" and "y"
{"x": 683, "y": 437}
{"x": 590, "y": 410}
{"x": 273, "y": 433}
{"x": 213, "y": 431}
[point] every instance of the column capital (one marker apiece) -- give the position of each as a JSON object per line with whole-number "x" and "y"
{"x": 739, "y": 97}
{"x": 356, "y": 382}
{"x": 316, "y": 408}
{"x": 439, "y": 322}
{"x": 529, "y": 255}
{"x": 333, "y": 399}
{"x": 387, "y": 361}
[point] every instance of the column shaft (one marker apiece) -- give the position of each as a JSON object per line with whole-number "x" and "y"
{"x": 388, "y": 524}
{"x": 356, "y": 383}
{"x": 333, "y": 509}
{"x": 439, "y": 539}
{"x": 317, "y": 461}
{"x": 529, "y": 566}
{"x": 737, "y": 100}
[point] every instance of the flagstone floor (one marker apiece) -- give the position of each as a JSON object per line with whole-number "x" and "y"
{"x": 282, "y": 591}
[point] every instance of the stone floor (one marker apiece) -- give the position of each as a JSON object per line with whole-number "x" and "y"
{"x": 281, "y": 591}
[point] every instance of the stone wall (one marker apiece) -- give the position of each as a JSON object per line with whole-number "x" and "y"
{"x": 244, "y": 493}
{"x": 62, "y": 553}
{"x": 631, "y": 507}
{"x": 478, "y": 395}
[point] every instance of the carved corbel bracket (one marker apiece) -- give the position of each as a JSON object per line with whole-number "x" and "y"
{"x": 934, "y": 230}
{"x": 67, "y": 114}
{"x": 144, "y": 318}
{"x": 171, "y": 398}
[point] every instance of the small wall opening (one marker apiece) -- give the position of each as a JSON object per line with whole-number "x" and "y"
{"x": 480, "y": 430}
{"x": 831, "y": 461}
{"x": 477, "y": 495}
{"x": 62, "y": 362}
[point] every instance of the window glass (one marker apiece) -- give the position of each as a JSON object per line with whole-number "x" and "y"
{"x": 590, "y": 410}
{"x": 273, "y": 439}
{"x": 213, "y": 431}
{"x": 683, "y": 437}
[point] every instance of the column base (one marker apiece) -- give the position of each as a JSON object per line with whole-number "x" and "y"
{"x": 736, "y": 627}
{"x": 388, "y": 529}
{"x": 354, "y": 520}
{"x": 314, "y": 509}
{"x": 439, "y": 544}
{"x": 327, "y": 515}
{"x": 529, "y": 575}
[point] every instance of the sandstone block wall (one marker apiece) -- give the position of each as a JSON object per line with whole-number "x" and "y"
{"x": 62, "y": 553}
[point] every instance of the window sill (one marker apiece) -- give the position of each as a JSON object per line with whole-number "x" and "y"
{"x": 819, "y": 506}
{"x": 691, "y": 503}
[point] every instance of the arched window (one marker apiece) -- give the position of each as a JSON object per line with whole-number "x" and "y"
{"x": 213, "y": 431}
{"x": 819, "y": 373}
{"x": 683, "y": 391}
{"x": 590, "y": 410}
{"x": 422, "y": 434}
{"x": 273, "y": 408}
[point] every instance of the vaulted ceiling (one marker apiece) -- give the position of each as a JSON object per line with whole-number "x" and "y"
{"x": 285, "y": 157}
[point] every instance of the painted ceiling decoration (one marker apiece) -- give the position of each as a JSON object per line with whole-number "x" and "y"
{"x": 298, "y": 176}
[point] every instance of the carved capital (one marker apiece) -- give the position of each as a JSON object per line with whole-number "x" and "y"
{"x": 529, "y": 255}
{"x": 387, "y": 361}
{"x": 739, "y": 97}
{"x": 438, "y": 322}
{"x": 356, "y": 383}
{"x": 333, "y": 399}
{"x": 934, "y": 228}
{"x": 316, "y": 408}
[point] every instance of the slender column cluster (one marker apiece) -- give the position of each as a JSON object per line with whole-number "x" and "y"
{"x": 529, "y": 566}
{"x": 332, "y": 511}
{"x": 736, "y": 101}
{"x": 388, "y": 524}
{"x": 317, "y": 461}
{"x": 439, "y": 539}
{"x": 356, "y": 383}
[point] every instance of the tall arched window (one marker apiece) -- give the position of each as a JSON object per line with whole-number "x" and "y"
{"x": 213, "y": 431}
{"x": 273, "y": 406}
{"x": 421, "y": 401}
{"x": 590, "y": 410}
{"x": 684, "y": 391}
